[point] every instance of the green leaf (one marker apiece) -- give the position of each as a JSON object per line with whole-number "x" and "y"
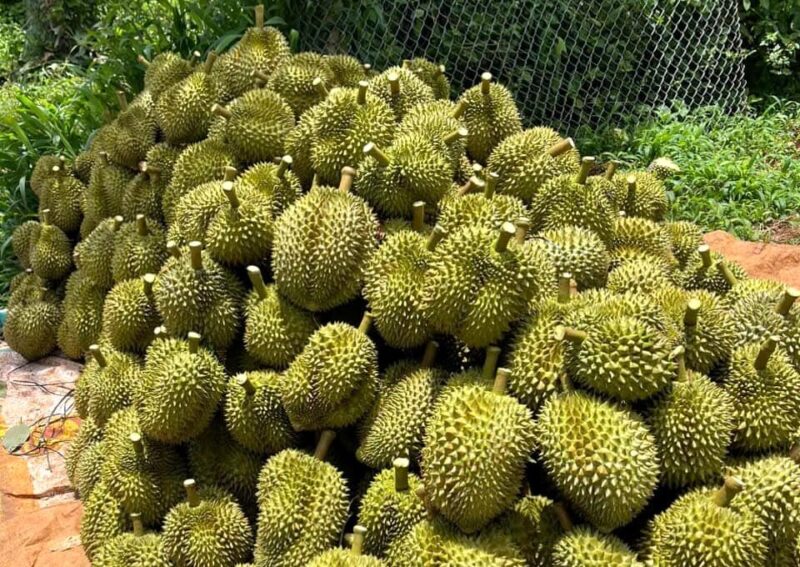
{"x": 16, "y": 436}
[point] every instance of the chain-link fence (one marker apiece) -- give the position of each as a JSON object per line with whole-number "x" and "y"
{"x": 569, "y": 62}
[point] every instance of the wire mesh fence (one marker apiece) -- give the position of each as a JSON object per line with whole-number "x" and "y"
{"x": 570, "y": 63}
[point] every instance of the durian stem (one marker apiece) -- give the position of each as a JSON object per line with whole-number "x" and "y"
{"x": 459, "y": 109}
{"x": 366, "y": 323}
{"x": 501, "y": 380}
{"x": 147, "y": 284}
{"x": 429, "y": 355}
{"x": 731, "y": 487}
{"x": 254, "y": 273}
{"x": 705, "y": 255}
{"x": 790, "y": 295}
{"x": 283, "y": 166}
{"x": 194, "y": 57}
{"x": 523, "y": 225}
{"x": 727, "y": 273}
{"x": 324, "y": 444}
{"x": 45, "y": 217}
{"x": 346, "y": 181}
{"x": 98, "y": 355}
{"x": 474, "y": 183}
{"x": 477, "y": 169}
{"x": 679, "y": 354}
{"x": 631, "y": 195}
{"x": 358, "y": 540}
{"x": 361, "y": 97}
{"x": 221, "y": 110}
{"x": 766, "y": 351}
{"x": 562, "y": 516}
{"x": 794, "y": 452}
{"x": 160, "y": 332}
{"x": 230, "y": 193}
{"x": 490, "y": 362}
{"x": 394, "y": 84}
{"x": 367, "y": 67}
{"x": 230, "y": 174}
{"x": 259, "y": 9}
{"x": 564, "y": 287}
{"x": 456, "y": 135}
{"x": 245, "y": 383}
{"x": 561, "y": 147}
{"x": 422, "y": 494}
{"x": 418, "y": 216}
{"x": 56, "y": 169}
{"x": 122, "y": 100}
{"x": 406, "y": 63}
{"x": 440, "y": 69}
{"x": 611, "y": 169}
{"x": 138, "y": 446}
{"x": 507, "y": 231}
{"x": 143, "y": 60}
{"x": 401, "y": 465}
{"x": 196, "y": 249}
{"x": 259, "y": 75}
{"x": 172, "y": 249}
{"x": 319, "y": 87}
{"x": 574, "y": 335}
{"x": 375, "y": 152}
{"x": 486, "y": 83}
{"x": 436, "y": 236}
{"x": 692, "y": 311}
{"x": 141, "y": 226}
{"x": 587, "y": 164}
{"x": 194, "y": 342}
{"x": 491, "y": 184}
{"x": 118, "y": 220}
{"x": 209, "y": 64}
{"x": 138, "y": 526}
{"x": 191, "y": 492}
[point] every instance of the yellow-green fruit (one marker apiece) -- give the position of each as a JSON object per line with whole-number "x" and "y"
{"x": 299, "y": 145}
{"x": 476, "y": 446}
{"x": 261, "y": 49}
{"x": 755, "y": 318}
{"x": 534, "y": 528}
{"x": 210, "y": 530}
{"x": 165, "y": 70}
{"x": 143, "y": 195}
{"x": 347, "y": 70}
{"x": 435, "y": 122}
{"x": 82, "y": 166}
{"x": 63, "y": 196}
{"x": 89, "y": 434}
{"x": 43, "y": 172}
{"x": 524, "y": 161}
{"x": 130, "y": 315}
{"x": 663, "y": 168}
{"x": 333, "y": 381}
{"x": 763, "y": 383}
{"x": 479, "y": 210}
{"x": 684, "y": 237}
{"x": 702, "y": 271}
{"x": 581, "y": 253}
{"x": 322, "y": 244}
{"x": 280, "y": 185}
{"x": 140, "y": 249}
{"x": 22, "y": 241}
{"x": 303, "y": 505}
{"x": 583, "y": 547}
{"x": 195, "y": 210}
{"x": 133, "y": 550}
{"x": 256, "y": 124}
{"x": 240, "y": 232}
{"x": 490, "y": 115}
{"x": 390, "y": 508}
{"x": 180, "y": 388}
{"x": 641, "y": 234}
{"x": 25, "y": 288}
{"x": 93, "y": 254}
{"x": 641, "y": 194}
{"x": 183, "y": 111}
{"x": 51, "y": 254}
{"x": 89, "y": 469}
{"x": 401, "y": 89}
{"x": 344, "y": 123}
{"x": 702, "y": 528}
{"x": 640, "y": 273}
{"x": 254, "y": 413}
{"x": 83, "y": 315}
{"x": 134, "y": 131}
{"x": 161, "y": 161}
{"x": 31, "y": 328}
{"x": 110, "y": 378}
{"x": 601, "y": 457}
{"x": 103, "y": 518}
{"x": 104, "y": 194}
{"x": 431, "y": 74}
{"x": 344, "y": 558}
{"x": 294, "y": 79}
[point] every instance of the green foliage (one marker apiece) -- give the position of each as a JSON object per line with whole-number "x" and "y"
{"x": 52, "y": 26}
{"x": 12, "y": 38}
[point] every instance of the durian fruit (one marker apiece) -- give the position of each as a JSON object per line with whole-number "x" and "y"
{"x": 83, "y": 315}
{"x": 180, "y": 388}
{"x": 130, "y": 315}
{"x": 103, "y": 518}
{"x": 302, "y": 502}
{"x": 390, "y": 508}
{"x": 639, "y": 272}
{"x": 255, "y": 125}
{"x": 140, "y": 249}
{"x": 322, "y": 244}
{"x": 526, "y": 160}
{"x": 93, "y": 254}
{"x": 302, "y": 80}
{"x": 662, "y": 168}
{"x": 25, "y": 288}
{"x": 684, "y": 237}
{"x": 195, "y": 210}
{"x": 485, "y": 209}
{"x": 601, "y": 457}
{"x": 63, "y": 196}
{"x": 431, "y": 74}
{"x": 435, "y": 122}
{"x": 347, "y": 70}
{"x": 30, "y": 328}
{"x": 276, "y": 181}
{"x": 89, "y": 469}
{"x": 161, "y": 160}
{"x": 51, "y": 254}
{"x": 299, "y": 144}
{"x": 22, "y": 241}
{"x": 333, "y": 381}
{"x": 401, "y": 89}
{"x": 535, "y": 525}
{"x": 183, "y": 111}
{"x": 254, "y": 413}
{"x": 342, "y": 125}
{"x": 476, "y": 445}
{"x": 133, "y": 549}
{"x": 165, "y": 70}
{"x": 760, "y": 314}
{"x": 693, "y": 426}
{"x": 43, "y": 172}
{"x": 396, "y": 423}
{"x": 82, "y": 166}
{"x": 109, "y": 378}
{"x": 701, "y": 528}
{"x": 477, "y": 285}
{"x": 584, "y": 547}
{"x": 275, "y": 331}
{"x": 704, "y": 270}
{"x": 763, "y": 385}
{"x": 89, "y": 434}
{"x": 581, "y": 253}
{"x": 644, "y": 195}
{"x": 410, "y": 170}
{"x": 143, "y": 194}
{"x": 642, "y": 235}
{"x": 339, "y": 557}
{"x": 134, "y": 131}
{"x": 105, "y": 193}
{"x": 208, "y": 530}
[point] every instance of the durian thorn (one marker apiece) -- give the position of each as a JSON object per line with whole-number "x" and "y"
{"x": 790, "y": 295}
{"x": 730, "y": 488}
{"x": 118, "y": 220}
{"x": 436, "y": 236}
{"x": 98, "y": 355}
{"x": 366, "y": 322}
{"x": 259, "y": 10}
{"x": 726, "y": 272}
{"x": 194, "y": 341}
{"x": 190, "y": 486}
{"x": 195, "y": 250}
{"x": 523, "y": 225}
{"x": 346, "y": 180}
{"x": 45, "y": 214}
{"x": 564, "y": 287}
{"x": 574, "y": 335}
{"x": 765, "y": 352}
{"x": 679, "y": 356}
{"x": 172, "y": 249}
{"x": 259, "y": 75}
{"x": 474, "y": 183}
{"x": 422, "y": 494}
{"x": 418, "y": 216}
{"x": 136, "y": 440}
{"x": 587, "y": 164}
{"x": 254, "y": 273}
{"x": 138, "y": 526}
{"x": 631, "y": 194}
{"x": 491, "y": 184}
{"x": 221, "y": 110}
{"x": 490, "y": 362}
{"x": 562, "y": 516}
{"x": 456, "y": 135}
{"x": 794, "y": 452}
{"x": 122, "y": 100}
{"x": 230, "y": 173}
{"x": 141, "y": 226}
{"x": 429, "y": 355}
{"x": 210, "y": 60}
{"x": 705, "y": 255}
{"x": 147, "y": 284}
{"x": 324, "y": 444}
{"x": 486, "y": 83}
{"x": 507, "y": 231}
{"x": 357, "y": 546}
{"x": 246, "y": 384}
{"x": 230, "y": 193}
{"x": 501, "y": 380}
{"x": 459, "y": 109}
{"x": 319, "y": 86}
{"x": 372, "y": 150}
{"x": 143, "y": 60}
{"x": 394, "y": 83}
{"x": 561, "y": 147}
{"x": 401, "y": 465}
{"x": 283, "y": 166}
{"x": 611, "y": 169}
{"x": 692, "y": 311}
{"x": 361, "y": 97}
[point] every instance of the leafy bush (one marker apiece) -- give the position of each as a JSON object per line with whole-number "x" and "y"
{"x": 52, "y": 26}
{"x": 12, "y": 38}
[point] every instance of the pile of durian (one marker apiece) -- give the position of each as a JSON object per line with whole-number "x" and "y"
{"x": 333, "y": 318}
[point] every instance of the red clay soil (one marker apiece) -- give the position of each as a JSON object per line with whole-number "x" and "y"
{"x": 779, "y": 262}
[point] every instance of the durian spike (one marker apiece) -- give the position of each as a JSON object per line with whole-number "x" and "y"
{"x": 394, "y": 84}
{"x": 372, "y": 150}
{"x": 611, "y": 169}
{"x": 790, "y": 295}
{"x": 692, "y": 311}
{"x": 401, "y": 465}
{"x": 366, "y": 322}
{"x": 486, "y": 83}
{"x": 461, "y": 106}
{"x": 143, "y": 60}
{"x": 507, "y": 231}
{"x": 474, "y": 183}
{"x": 209, "y": 64}
{"x": 191, "y": 492}
{"x": 679, "y": 354}
{"x": 259, "y": 9}
{"x": 230, "y": 193}
{"x": 118, "y": 220}
{"x": 138, "y": 447}
{"x": 221, "y": 110}
{"x": 501, "y": 381}
{"x": 254, "y": 273}
{"x": 631, "y": 195}
{"x": 324, "y": 444}
{"x": 361, "y": 97}
{"x": 422, "y": 494}
{"x": 230, "y": 174}
{"x": 429, "y": 355}
{"x": 195, "y": 250}
{"x": 436, "y": 236}
{"x": 141, "y": 226}
{"x": 766, "y": 351}
{"x": 794, "y": 452}
{"x": 562, "y": 516}
{"x": 574, "y": 335}
{"x": 705, "y": 255}
{"x": 523, "y": 225}
{"x": 122, "y": 101}
{"x": 138, "y": 526}
{"x": 358, "y": 540}
{"x": 726, "y": 272}
{"x": 490, "y": 362}
{"x": 45, "y": 217}
{"x": 564, "y": 287}
{"x": 730, "y": 488}
{"x": 319, "y": 86}
{"x": 561, "y": 147}
{"x": 98, "y": 355}
{"x": 246, "y": 384}
{"x": 147, "y": 283}
{"x": 259, "y": 75}
{"x": 346, "y": 180}
{"x": 491, "y": 184}
{"x": 194, "y": 341}
{"x": 455, "y": 135}
{"x": 418, "y": 216}
{"x": 587, "y": 164}
{"x": 172, "y": 249}
{"x": 283, "y": 166}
